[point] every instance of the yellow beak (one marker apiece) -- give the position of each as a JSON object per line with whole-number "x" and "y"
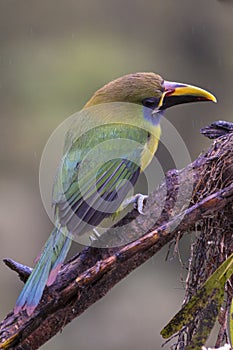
{"x": 178, "y": 93}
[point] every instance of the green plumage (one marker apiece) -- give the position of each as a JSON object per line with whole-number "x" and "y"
{"x": 101, "y": 163}
{"x": 108, "y": 144}
{"x": 104, "y": 159}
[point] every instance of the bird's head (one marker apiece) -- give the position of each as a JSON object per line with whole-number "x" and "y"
{"x": 149, "y": 90}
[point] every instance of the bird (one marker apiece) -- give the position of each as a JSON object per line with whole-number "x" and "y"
{"x": 118, "y": 128}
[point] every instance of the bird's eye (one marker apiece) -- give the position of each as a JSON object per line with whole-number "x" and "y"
{"x": 150, "y": 102}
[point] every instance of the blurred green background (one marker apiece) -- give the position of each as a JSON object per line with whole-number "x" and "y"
{"x": 53, "y": 56}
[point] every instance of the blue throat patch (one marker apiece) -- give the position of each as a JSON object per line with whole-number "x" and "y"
{"x": 152, "y": 116}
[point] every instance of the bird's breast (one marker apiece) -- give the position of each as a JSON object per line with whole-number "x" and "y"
{"x": 150, "y": 147}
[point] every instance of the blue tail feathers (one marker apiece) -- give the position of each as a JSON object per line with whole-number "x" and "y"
{"x": 45, "y": 271}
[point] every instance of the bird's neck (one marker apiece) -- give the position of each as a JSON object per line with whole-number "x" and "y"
{"x": 151, "y": 116}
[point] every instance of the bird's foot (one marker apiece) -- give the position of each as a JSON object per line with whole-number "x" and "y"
{"x": 138, "y": 200}
{"x": 95, "y": 236}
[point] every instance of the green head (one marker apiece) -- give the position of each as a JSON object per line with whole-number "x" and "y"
{"x": 150, "y": 90}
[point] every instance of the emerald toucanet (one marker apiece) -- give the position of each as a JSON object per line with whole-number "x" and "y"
{"x": 83, "y": 198}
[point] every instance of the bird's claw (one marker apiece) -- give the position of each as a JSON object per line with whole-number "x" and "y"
{"x": 95, "y": 236}
{"x": 137, "y": 200}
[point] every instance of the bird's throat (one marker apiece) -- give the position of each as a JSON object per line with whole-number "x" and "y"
{"x": 152, "y": 116}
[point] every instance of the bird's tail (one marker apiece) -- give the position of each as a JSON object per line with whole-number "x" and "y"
{"x": 45, "y": 271}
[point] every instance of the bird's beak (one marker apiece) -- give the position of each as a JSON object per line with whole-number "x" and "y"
{"x": 178, "y": 93}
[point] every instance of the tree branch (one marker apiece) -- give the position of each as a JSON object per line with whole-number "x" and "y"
{"x": 88, "y": 276}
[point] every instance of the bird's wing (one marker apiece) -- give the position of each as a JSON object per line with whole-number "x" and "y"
{"x": 96, "y": 174}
